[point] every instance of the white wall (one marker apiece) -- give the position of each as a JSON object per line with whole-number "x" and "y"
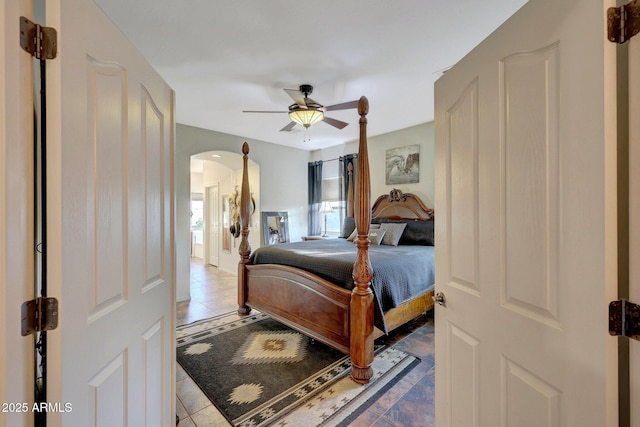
{"x": 422, "y": 135}
{"x": 283, "y": 186}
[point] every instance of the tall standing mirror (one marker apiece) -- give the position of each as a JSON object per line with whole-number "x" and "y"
{"x": 275, "y": 226}
{"x": 226, "y": 223}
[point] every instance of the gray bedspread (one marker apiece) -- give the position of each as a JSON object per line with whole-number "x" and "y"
{"x": 399, "y": 272}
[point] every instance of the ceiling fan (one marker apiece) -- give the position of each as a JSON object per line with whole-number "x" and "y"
{"x": 307, "y": 112}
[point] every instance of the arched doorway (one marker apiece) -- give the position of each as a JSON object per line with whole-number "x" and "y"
{"x": 215, "y": 183}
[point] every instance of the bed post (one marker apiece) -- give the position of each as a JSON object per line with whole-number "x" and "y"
{"x": 245, "y": 248}
{"x": 361, "y": 320}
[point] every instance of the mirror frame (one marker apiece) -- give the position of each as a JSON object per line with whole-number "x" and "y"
{"x": 226, "y": 234}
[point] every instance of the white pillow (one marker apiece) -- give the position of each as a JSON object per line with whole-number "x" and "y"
{"x": 375, "y": 236}
{"x": 354, "y": 234}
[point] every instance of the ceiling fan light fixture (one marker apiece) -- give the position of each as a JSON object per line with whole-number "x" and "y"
{"x": 306, "y": 116}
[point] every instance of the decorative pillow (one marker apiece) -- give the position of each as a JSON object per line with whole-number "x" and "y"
{"x": 348, "y": 225}
{"x": 393, "y": 233}
{"x": 376, "y": 236}
{"x": 417, "y": 231}
{"x": 354, "y": 233}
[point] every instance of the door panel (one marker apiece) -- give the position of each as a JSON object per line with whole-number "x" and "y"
{"x": 155, "y": 365}
{"x": 107, "y": 391}
{"x": 525, "y": 135}
{"x": 528, "y": 399}
{"x": 530, "y": 183}
{"x": 112, "y": 139}
{"x": 154, "y": 142}
{"x": 464, "y": 377}
{"x": 106, "y": 207}
{"x": 462, "y": 184}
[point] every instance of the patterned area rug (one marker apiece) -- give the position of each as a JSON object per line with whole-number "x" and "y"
{"x": 258, "y": 372}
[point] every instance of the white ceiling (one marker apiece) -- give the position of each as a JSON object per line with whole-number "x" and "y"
{"x": 225, "y": 56}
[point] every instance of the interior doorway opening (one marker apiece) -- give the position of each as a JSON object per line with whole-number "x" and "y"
{"x": 215, "y": 178}
{"x": 215, "y": 192}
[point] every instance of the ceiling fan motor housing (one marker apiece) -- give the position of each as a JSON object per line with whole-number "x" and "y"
{"x": 306, "y": 89}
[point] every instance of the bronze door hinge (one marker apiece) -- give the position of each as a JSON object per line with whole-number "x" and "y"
{"x": 624, "y": 319}
{"x": 623, "y": 22}
{"x": 40, "y": 314}
{"x": 41, "y": 42}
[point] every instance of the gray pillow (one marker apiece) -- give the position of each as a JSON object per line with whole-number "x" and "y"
{"x": 348, "y": 225}
{"x": 393, "y": 234}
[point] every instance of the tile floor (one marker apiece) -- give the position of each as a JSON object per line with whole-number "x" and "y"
{"x": 410, "y": 402}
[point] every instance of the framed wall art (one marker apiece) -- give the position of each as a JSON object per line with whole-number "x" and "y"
{"x": 402, "y": 165}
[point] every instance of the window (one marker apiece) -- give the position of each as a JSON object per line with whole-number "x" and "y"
{"x": 332, "y": 208}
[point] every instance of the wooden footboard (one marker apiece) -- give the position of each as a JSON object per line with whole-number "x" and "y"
{"x": 314, "y": 306}
{"x": 301, "y": 300}
{"x": 317, "y": 307}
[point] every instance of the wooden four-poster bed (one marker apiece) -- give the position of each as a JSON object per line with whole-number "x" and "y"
{"x": 342, "y": 315}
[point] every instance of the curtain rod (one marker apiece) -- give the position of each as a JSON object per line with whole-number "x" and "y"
{"x": 338, "y": 158}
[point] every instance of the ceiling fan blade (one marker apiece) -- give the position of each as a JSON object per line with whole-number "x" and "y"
{"x": 297, "y": 96}
{"x": 335, "y": 123}
{"x": 343, "y": 106}
{"x": 288, "y": 127}
{"x": 260, "y": 111}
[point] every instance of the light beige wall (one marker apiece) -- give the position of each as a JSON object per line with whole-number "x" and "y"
{"x": 422, "y": 135}
{"x": 196, "y": 182}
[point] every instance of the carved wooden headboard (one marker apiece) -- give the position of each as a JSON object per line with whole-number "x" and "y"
{"x": 399, "y": 205}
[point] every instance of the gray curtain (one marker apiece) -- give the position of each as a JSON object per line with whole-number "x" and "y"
{"x": 344, "y": 174}
{"x": 315, "y": 198}
{"x": 344, "y": 180}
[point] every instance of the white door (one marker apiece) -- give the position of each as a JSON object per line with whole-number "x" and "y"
{"x": 634, "y": 216}
{"x": 111, "y": 130}
{"x": 213, "y": 224}
{"x": 16, "y": 214}
{"x": 526, "y": 224}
